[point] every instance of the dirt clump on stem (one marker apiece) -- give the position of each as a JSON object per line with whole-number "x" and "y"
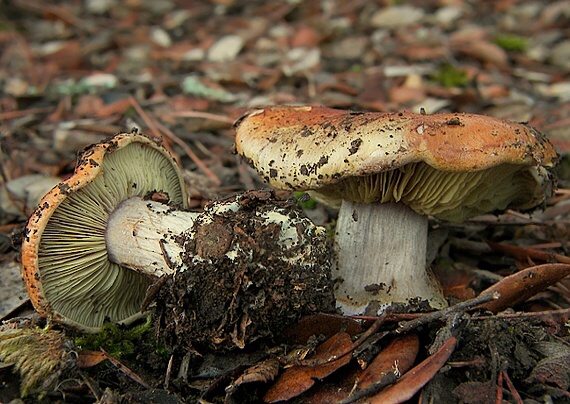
{"x": 254, "y": 265}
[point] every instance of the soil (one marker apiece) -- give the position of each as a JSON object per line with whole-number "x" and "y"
{"x": 242, "y": 281}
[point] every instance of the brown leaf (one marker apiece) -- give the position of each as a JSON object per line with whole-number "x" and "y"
{"x": 317, "y": 324}
{"x": 416, "y": 378}
{"x": 555, "y": 368}
{"x": 261, "y": 372}
{"x": 299, "y": 379}
{"x": 397, "y": 357}
{"x": 87, "y": 359}
{"x": 518, "y": 287}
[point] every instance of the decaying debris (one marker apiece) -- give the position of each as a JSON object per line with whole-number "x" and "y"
{"x": 253, "y": 264}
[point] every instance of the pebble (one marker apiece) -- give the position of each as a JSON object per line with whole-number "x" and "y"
{"x": 561, "y": 55}
{"x": 396, "y": 16}
{"x": 301, "y": 59}
{"x": 225, "y": 49}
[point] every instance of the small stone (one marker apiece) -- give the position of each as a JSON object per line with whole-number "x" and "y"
{"x": 350, "y": 48}
{"x": 100, "y": 6}
{"x": 301, "y": 59}
{"x": 560, "y": 55}
{"x": 396, "y": 16}
{"x": 561, "y": 91}
{"x": 446, "y": 16}
{"x": 194, "y": 55}
{"x": 225, "y": 49}
{"x": 100, "y": 80}
{"x": 160, "y": 37}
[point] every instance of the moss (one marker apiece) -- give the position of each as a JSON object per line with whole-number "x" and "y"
{"x": 449, "y": 76}
{"x": 116, "y": 340}
{"x": 37, "y": 354}
{"x": 511, "y": 42}
{"x": 304, "y": 201}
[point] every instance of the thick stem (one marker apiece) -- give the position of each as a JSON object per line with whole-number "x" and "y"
{"x": 381, "y": 257}
{"x": 142, "y": 235}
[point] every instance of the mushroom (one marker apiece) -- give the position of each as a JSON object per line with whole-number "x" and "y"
{"x": 387, "y": 172}
{"x": 95, "y": 242}
{"x": 99, "y": 239}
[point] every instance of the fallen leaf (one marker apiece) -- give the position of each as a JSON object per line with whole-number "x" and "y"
{"x": 398, "y": 357}
{"x": 87, "y": 359}
{"x": 416, "y": 378}
{"x": 320, "y": 324}
{"x": 555, "y": 368}
{"x": 261, "y": 372}
{"x": 520, "y": 286}
{"x": 298, "y": 379}
{"x": 484, "y": 51}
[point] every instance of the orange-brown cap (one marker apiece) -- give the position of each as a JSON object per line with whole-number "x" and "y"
{"x": 452, "y": 166}
{"x": 66, "y": 270}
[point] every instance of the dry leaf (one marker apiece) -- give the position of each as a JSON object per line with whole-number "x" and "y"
{"x": 416, "y": 378}
{"x": 87, "y": 359}
{"x": 261, "y": 372}
{"x": 476, "y": 392}
{"x": 555, "y": 368}
{"x": 518, "y": 287}
{"x": 320, "y": 324}
{"x": 298, "y": 379}
{"x": 397, "y": 357}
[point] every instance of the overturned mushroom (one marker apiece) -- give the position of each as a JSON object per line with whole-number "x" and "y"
{"x": 387, "y": 172}
{"x": 93, "y": 237}
{"x": 99, "y": 239}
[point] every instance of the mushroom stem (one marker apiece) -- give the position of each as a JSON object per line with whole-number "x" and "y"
{"x": 394, "y": 272}
{"x": 144, "y": 236}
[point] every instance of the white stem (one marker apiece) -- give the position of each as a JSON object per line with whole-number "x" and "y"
{"x": 142, "y": 235}
{"x": 382, "y": 258}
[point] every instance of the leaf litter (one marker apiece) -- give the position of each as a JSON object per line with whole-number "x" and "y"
{"x": 74, "y": 73}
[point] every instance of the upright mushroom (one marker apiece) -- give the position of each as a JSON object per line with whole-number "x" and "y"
{"x": 387, "y": 172}
{"x": 93, "y": 237}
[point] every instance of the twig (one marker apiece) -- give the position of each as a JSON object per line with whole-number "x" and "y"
{"x": 363, "y": 337}
{"x": 190, "y": 154}
{"x": 199, "y": 114}
{"x": 125, "y": 370}
{"x": 385, "y": 380}
{"x": 437, "y": 315}
{"x": 525, "y": 253}
{"x": 499, "y": 394}
{"x": 4, "y": 116}
{"x": 149, "y": 122}
{"x": 511, "y": 387}
{"x": 155, "y": 126}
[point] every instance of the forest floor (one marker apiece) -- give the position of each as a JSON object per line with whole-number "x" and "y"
{"x": 73, "y": 73}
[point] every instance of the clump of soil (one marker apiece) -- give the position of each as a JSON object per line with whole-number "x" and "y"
{"x": 487, "y": 347}
{"x": 255, "y": 265}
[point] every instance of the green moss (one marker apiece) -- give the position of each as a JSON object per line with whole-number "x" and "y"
{"x": 116, "y": 340}
{"x": 449, "y": 76}
{"x": 305, "y": 201}
{"x": 512, "y": 42}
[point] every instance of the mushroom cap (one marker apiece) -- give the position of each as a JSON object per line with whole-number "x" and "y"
{"x": 68, "y": 275}
{"x": 452, "y": 166}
